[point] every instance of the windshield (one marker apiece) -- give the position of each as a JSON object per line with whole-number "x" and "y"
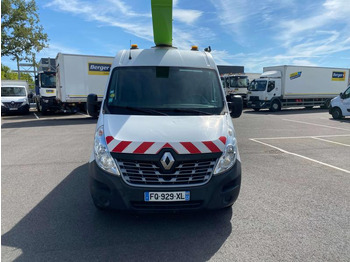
{"x": 170, "y": 90}
{"x": 48, "y": 80}
{"x": 258, "y": 85}
{"x": 13, "y": 91}
{"x": 239, "y": 82}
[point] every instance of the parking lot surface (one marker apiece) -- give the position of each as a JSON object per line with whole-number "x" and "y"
{"x": 294, "y": 203}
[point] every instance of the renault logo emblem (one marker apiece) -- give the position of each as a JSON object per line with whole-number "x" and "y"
{"x": 167, "y": 160}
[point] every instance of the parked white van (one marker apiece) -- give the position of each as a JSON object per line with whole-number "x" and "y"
{"x": 340, "y": 105}
{"x": 164, "y": 138}
{"x": 14, "y": 96}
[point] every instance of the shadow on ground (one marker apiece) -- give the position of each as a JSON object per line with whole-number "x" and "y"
{"x": 25, "y": 123}
{"x": 65, "y": 226}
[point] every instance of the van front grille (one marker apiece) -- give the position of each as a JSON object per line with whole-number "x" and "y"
{"x": 148, "y": 173}
{"x": 12, "y": 104}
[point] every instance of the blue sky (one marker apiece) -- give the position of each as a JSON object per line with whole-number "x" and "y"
{"x": 249, "y": 33}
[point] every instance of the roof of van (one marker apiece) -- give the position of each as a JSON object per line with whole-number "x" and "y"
{"x": 164, "y": 56}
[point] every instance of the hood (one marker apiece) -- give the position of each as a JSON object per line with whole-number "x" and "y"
{"x": 149, "y": 134}
{"x": 13, "y": 98}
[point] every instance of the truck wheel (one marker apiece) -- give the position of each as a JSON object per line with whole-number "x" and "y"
{"x": 275, "y": 106}
{"x": 336, "y": 113}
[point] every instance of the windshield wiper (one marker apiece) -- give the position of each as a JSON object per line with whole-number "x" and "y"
{"x": 190, "y": 110}
{"x": 143, "y": 110}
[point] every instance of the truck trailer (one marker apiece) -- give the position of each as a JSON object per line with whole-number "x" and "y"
{"x": 79, "y": 75}
{"x": 296, "y": 86}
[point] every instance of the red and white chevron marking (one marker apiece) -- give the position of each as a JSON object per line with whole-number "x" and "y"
{"x": 131, "y": 147}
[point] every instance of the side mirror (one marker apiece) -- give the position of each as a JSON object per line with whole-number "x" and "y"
{"x": 341, "y": 95}
{"x": 92, "y": 105}
{"x": 236, "y": 106}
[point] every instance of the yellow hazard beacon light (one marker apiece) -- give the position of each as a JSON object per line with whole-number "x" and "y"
{"x": 194, "y": 48}
{"x": 134, "y": 46}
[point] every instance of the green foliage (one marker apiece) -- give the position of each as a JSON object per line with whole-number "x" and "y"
{"x": 7, "y": 74}
{"x": 22, "y": 35}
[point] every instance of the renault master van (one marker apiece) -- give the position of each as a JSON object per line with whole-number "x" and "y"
{"x": 164, "y": 138}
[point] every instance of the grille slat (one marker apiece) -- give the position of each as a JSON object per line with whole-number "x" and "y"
{"x": 137, "y": 173}
{"x": 12, "y": 105}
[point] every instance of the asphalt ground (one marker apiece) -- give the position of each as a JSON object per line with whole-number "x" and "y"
{"x": 294, "y": 203}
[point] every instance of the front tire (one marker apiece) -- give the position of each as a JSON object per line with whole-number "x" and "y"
{"x": 336, "y": 113}
{"x": 275, "y": 106}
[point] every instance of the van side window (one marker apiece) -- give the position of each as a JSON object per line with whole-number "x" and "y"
{"x": 271, "y": 86}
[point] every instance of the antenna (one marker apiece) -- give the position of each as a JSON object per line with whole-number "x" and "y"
{"x": 130, "y": 51}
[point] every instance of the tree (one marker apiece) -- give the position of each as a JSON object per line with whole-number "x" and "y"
{"x": 21, "y": 34}
{"x": 7, "y": 74}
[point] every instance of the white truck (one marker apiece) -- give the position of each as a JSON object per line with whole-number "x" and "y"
{"x": 79, "y": 75}
{"x": 296, "y": 86}
{"x": 340, "y": 105}
{"x": 45, "y": 89}
{"x": 14, "y": 96}
{"x": 164, "y": 139}
{"x": 235, "y": 84}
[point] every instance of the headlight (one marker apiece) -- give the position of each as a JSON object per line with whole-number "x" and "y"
{"x": 102, "y": 156}
{"x": 229, "y": 156}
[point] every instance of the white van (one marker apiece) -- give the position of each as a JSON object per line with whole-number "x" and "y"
{"x": 340, "y": 105}
{"x": 164, "y": 138}
{"x": 14, "y": 96}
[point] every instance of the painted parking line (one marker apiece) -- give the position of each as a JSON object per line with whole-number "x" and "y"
{"x": 329, "y": 141}
{"x": 298, "y": 137}
{"x": 301, "y": 122}
{"x": 36, "y": 116}
{"x": 301, "y": 156}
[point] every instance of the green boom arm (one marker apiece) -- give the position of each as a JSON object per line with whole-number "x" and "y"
{"x": 162, "y": 16}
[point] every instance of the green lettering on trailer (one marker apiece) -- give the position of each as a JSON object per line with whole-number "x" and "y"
{"x": 162, "y": 16}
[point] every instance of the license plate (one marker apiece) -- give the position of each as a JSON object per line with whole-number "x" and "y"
{"x": 167, "y": 196}
{"x": 13, "y": 109}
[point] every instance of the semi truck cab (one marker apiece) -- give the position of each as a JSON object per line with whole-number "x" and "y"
{"x": 265, "y": 91}
{"x": 235, "y": 84}
{"x": 45, "y": 89}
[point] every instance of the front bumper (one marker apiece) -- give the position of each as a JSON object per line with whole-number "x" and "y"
{"x": 112, "y": 192}
{"x": 15, "y": 110}
{"x": 258, "y": 104}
